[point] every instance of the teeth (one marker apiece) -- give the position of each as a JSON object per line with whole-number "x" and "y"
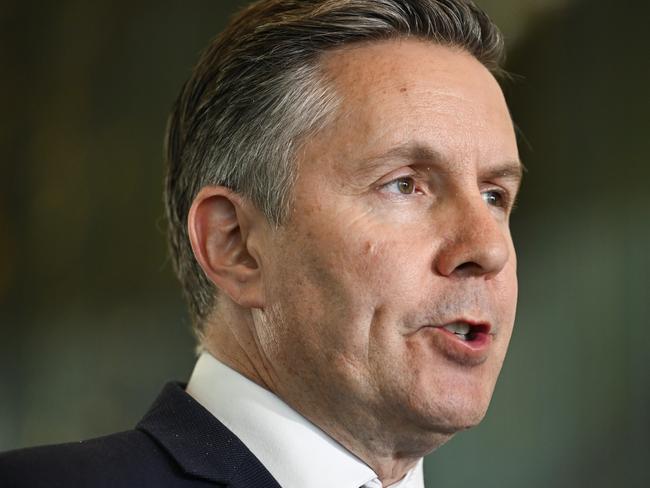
{"x": 459, "y": 328}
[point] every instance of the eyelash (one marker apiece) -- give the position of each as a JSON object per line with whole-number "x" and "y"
{"x": 503, "y": 196}
{"x": 403, "y": 179}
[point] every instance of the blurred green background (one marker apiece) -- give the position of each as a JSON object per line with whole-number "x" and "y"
{"x": 91, "y": 319}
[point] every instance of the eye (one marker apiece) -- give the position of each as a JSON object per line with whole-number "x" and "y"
{"x": 495, "y": 198}
{"x": 403, "y": 186}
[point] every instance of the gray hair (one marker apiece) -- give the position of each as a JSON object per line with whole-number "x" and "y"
{"x": 258, "y": 90}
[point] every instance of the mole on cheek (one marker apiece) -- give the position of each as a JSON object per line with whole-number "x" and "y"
{"x": 403, "y": 89}
{"x": 372, "y": 249}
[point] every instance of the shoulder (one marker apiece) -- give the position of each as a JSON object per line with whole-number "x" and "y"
{"x": 177, "y": 444}
{"x": 129, "y": 458}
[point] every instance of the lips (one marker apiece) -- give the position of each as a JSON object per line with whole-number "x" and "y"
{"x": 468, "y": 332}
{"x": 462, "y": 341}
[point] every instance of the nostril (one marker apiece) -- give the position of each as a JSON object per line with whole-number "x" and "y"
{"x": 468, "y": 267}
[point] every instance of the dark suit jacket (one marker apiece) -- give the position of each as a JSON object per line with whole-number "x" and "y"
{"x": 177, "y": 444}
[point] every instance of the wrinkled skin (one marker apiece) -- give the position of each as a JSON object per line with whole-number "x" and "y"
{"x": 400, "y": 224}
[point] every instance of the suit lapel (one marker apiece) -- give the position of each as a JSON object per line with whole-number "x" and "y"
{"x": 201, "y": 445}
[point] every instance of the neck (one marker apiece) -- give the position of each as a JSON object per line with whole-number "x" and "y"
{"x": 229, "y": 339}
{"x": 390, "y": 450}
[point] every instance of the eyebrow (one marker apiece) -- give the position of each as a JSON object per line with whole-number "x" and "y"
{"x": 510, "y": 170}
{"x": 405, "y": 152}
{"x": 417, "y": 152}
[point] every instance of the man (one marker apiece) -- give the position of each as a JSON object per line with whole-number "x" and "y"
{"x": 341, "y": 176}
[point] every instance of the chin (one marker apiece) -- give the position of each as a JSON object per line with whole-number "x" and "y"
{"x": 431, "y": 430}
{"x": 453, "y": 412}
{"x": 458, "y": 422}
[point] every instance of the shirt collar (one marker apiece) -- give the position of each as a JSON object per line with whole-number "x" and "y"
{"x": 293, "y": 450}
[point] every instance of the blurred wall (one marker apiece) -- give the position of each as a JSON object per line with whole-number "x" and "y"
{"x": 91, "y": 319}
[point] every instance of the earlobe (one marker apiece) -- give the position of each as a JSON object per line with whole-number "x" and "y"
{"x": 219, "y": 227}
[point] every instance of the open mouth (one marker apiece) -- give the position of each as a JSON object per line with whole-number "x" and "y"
{"x": 467, "y": 332}
{"x": 464, "y": 342}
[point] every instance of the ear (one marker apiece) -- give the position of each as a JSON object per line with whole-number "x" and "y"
{"x": 219, "y": 227}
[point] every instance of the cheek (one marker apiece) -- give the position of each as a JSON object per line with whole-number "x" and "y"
{"x": 332, "y": 279}
{"x": 351, "y": 250}
{"x": 382, "y": 273}
{"x": 378, "y": 261}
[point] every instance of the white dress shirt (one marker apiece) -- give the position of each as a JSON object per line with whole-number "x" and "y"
{"x": 296, "y": 452}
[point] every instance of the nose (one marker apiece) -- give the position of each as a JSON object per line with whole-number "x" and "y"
{"x": 476, "y": 241}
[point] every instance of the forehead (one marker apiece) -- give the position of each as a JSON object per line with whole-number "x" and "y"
{"x": 409, "y": 91}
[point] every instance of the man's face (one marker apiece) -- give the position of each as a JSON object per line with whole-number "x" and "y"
{"x": 400, "y": 227}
